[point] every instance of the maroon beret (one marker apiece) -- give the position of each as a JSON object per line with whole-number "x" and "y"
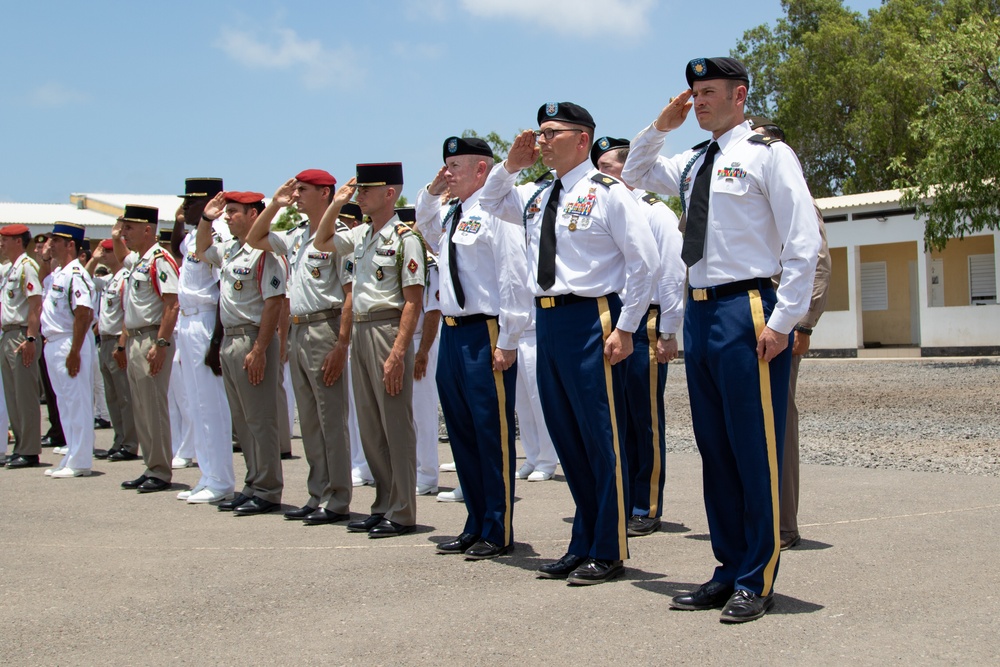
{"x": 14, "y": 230}
{"x": 244, "y": 197}
{"x": 316, "y": 177}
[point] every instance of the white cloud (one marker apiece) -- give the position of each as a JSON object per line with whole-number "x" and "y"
{"x": 283, "y": 49}
{"x": 585, "y": 18}
{"x": 54, "y": 95}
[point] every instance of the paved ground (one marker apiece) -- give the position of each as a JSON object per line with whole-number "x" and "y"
{"x": 895, "y": 567}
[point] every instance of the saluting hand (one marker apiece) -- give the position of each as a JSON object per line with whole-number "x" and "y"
{"x": 770, "y": 344}
{"x": 345, "y": 192}
{"x": 618, "y": 346}
{"x": 284, "y": 195}
{"x": 674, "y": 113}
{"x": 439, "y": 184}
{"x": 523, "y": 152}
{"x": 179, "y": 215}
{"x": 215, "y": 207}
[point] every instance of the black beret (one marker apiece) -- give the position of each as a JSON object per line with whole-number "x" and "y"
{"x": 605, "y": 144}
{"x": 454, "y": 146}
{"x": 202, "y": 187}
{"x": 385, "y": 173}
{"x": 703, "y": 69}
{"x": 566, "y": 112}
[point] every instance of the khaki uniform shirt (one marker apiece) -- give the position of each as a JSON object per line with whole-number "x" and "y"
{"x": 111, "y": 314}
{"x": 71, "y": 289}
{"x": 317, "y": 278}
{"x": 150, "y": 277}
{"x": 384, "y": 263}
{"x": 248, "y": 278}
{"x": 18, "y": 283}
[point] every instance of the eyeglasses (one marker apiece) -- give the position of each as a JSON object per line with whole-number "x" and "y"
{"x": 550, "y": 133}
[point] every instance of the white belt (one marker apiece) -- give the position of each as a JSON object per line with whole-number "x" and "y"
{"x": 189, "y": 312}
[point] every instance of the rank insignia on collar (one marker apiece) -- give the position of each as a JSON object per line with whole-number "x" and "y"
{"x": 379, "y": 275}
{"x": 238, "y": 285}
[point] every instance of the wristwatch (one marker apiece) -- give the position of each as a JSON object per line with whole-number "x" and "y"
{"x": 119, "y": 348}
{"x": 30, "y": 339}
{"x": 803, "y": 330}
{"x": 667, "y": 337}
{"x": 162, "y": 342}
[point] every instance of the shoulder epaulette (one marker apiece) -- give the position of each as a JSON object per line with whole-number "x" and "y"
{"x": 303, "y": 223}
{"x": 430, "y": 260}
{"x": 761, "y": 139}
{"x": 453, "y": 201}
{"x": 547, "y": 176}
{"x": 157, "y": 253}
{"x": 402, "y": 229}
{"x": 698, "y": 147}
{"x": 651, "y": 199}
{"x": 604, "y": 180}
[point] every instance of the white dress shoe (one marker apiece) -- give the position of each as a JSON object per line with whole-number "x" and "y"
{"x": 70, "y": 472}
{"x": 49, "y": 471}
{"x": 426, "y": 489}
{"x": 539, "y": 476}
{"x": 179, "y": 463}
{"x": 524, "y": 471}
{"x": 184, "y": 495}
{"x": 455, "y": 496}
{"x": 447, "y": 467}
{"x": 60, "y": 450}
{"x": 206, "y": 495}
{"x": 358, "y": 480}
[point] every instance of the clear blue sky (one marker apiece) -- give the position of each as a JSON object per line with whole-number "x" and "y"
{"x": 133, "y": 97}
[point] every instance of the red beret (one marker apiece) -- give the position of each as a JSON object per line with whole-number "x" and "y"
{"x": 108, "y": 244}
{"x": 244, "y": 197}
{"x": 316, "y": 177}
{"x": 14, "y": 230}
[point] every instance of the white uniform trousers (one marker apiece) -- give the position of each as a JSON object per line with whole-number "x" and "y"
{"x": 207, "y": 405}
{"x": 538, "y": 449}
{"x": 425, "y": 416}
{"x": 181, "y": 423}
{"x": 359, "y": 466}
{"x": 75, "y": 398}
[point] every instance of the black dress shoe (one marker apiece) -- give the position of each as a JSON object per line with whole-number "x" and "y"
{"x": 101, "y": 454}
{"x": 639, "y": 525}
{"x": 595, "y": 571}
{"x": 23, "y": 461}
{"x": 49, "y": 441}
{"x": 230, "y": 505}
{"x": 152, "y": 485}
{"x": 459, "y": 545}
{"x": 364, "y": 525}
{"x": 387, "y": 528}
{"x": 287, "y": 455}
{"x": 299, "y": 513}
{"x": 135, "y": 483}
{"x": 256, "y": 506}
{"x": 122, "y": 455}
{"x": 790, "y": 540}
{"x": 101, "y": 423}
{"x": 323, "y": 515}
{"x": 712, "y": 595}
{"x": 746, "y": 606}
{"x": 482, "y": 550}
{"x": 562, "y": 567}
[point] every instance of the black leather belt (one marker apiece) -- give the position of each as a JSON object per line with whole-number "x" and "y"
{"x": 560, "y": 300}
{"x": 729, "y": 289}
{"x": 467, "y": 319}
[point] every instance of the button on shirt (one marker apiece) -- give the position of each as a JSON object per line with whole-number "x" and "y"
{"x": 384, "y": 263}
{"x": 492, "y": 264}
{"x": 316, "y": 282}
{"x": 19, "y": 282}
{"x": 198, "y": 283}
{"x": 668, "y": 290}
{"x": 71, "y": 288}
{"x": 248, "y": 278}
{"x": 111, "y": 313}
{"x": 603, "y": 242}
{"x": 761, "y": 220}
{"x": 150, "y": 276}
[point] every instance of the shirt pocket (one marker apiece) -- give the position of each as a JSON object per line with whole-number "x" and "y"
{"x": 725, "y": 189}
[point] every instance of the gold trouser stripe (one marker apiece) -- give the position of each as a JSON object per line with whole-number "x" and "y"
{"x": 654, "y": 415}
{"x": 494, "y": 330}
{"x": 602, "y": 307}
{"x": 757, "y": 311}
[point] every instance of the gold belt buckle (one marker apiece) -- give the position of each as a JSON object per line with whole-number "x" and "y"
{"x": 699, "y": 294}
{"x": 548, "y": 302}
{"x": 296, "y": 319}
{"x": 450, "y": 321}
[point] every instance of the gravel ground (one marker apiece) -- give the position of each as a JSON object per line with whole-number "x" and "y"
{"x": 940, "y": 415}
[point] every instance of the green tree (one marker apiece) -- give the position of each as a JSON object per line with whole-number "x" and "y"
{"x": 500, "y": 147}
{"x": 953, "y": 185}
{"x": 289, "y": 218}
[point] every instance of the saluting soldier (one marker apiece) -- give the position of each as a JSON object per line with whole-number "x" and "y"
{"x": 146, "y": 346}
{"x": 485, "y": 301}
{"x": 320, "y": 303}
{"x": 67, "y": 315}
{"x": 579, "y": 221}
{"x": 655, "y": 344}
{"x": 388, "y": 271}
{"x": 21, "y": 304}
{"x": 252, "y": 296}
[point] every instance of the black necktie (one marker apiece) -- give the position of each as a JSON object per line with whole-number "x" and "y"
{"x": 456, "y": 284}
{"x": 697, "y": 215}
{"x": 547, "y": 241}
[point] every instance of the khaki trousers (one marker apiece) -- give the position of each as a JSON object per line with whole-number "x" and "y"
{"x": 255, "y": 415}
{"x": 322, "y": 415}
{"x": 20, "y": 385}
{"x": 388, "y": 435}
{"x": 118, "y": 396}
{"x": 789, "y": 504}
{"x": 149, "y": 396}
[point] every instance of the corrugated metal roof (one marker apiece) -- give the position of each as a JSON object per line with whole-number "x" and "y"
{"x": 859, "y": 200}
{"x": 46, "y": 214}
{"x": 114, "y": 204}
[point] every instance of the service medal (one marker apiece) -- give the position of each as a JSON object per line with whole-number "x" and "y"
{"x": 238, "y": 285}
{"x": 315, "y": 272}
{"x": 378, "y": 273}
